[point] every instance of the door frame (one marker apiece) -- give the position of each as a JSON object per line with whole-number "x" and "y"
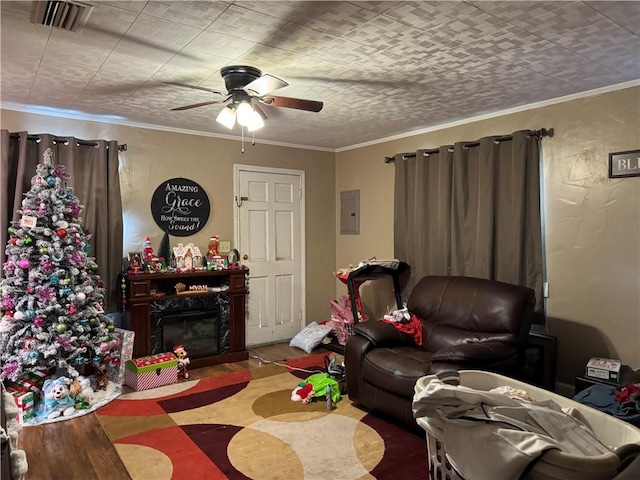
{"x": 237, "y": 202}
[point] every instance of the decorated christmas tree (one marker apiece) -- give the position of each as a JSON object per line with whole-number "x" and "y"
{"x": 51, "y": 293}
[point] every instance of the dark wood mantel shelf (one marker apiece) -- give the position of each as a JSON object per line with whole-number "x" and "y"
{"x": 144, "y": 289}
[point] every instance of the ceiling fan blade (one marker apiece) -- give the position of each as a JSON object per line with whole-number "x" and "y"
{"x": 264, "y": 84}
{"x": 184, "y": 85}
{"x": 288, "y": 102}
{"x": 202, "y": 104}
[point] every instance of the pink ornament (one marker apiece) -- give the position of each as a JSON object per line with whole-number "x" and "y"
{"x": 38, "y": 321}
{"x": 47, "y": 265}
{"x": 104, "y": 346}
{"x": 23, "y": 263}
{"x": 7, "y": 302}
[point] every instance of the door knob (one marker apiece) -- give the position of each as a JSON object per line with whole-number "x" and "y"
{"x": 245, "y": 257}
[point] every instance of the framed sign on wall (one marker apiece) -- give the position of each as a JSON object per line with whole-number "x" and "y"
{"x": 624, "y": 164}
{"x": 180, "y": 207}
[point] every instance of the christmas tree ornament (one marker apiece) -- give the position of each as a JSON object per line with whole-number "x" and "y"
{"x": 61, "y": 328}
{"x": 81, "y": 297}
{"x": 29, "y": 314}
{"x": 43, "y": 251}
{"x": 23, "y": 263}
{"x": 27, "y": 241}
{"x": 18, "y": 315}
{"x": 61, "y": 232}
{"x": 11, "y": 230}
{"x": 38, "y": 321}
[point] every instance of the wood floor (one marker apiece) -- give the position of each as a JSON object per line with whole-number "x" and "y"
{"x": 79, "y": 448}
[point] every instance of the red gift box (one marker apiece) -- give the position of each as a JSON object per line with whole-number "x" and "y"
{"x": 25, "y": 401}
{"x": 31, "y": 381}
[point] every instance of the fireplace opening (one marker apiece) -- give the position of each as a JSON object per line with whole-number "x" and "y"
{"x": 199, "y": 324}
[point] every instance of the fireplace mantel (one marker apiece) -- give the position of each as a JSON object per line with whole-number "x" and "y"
{"x": 144, "y": 292}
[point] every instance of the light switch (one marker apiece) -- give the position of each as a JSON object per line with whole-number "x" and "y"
{"x": 225, "y": 246}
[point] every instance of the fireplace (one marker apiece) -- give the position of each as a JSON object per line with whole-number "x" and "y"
{"x": 200, "y": 323}
{"x": 209, "y": 324}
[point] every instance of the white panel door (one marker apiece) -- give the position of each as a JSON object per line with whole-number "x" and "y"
{"x": 269, "y": 235}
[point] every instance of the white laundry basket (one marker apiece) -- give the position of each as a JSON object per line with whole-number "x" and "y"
{"x": 620, "y": 436}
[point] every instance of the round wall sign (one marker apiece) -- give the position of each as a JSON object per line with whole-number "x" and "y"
{"x": 180, "y": 207}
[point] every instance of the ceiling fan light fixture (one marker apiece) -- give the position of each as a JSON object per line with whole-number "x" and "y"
{"x": 244, "y": 113}
{"x": 256, "y": 122}
{"x": 227, "y": 117}
{"x": 248, "y": 117}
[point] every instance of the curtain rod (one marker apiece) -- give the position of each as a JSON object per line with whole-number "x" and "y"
{"x": 84, "y": 143}
{"x": 543, "y": 132}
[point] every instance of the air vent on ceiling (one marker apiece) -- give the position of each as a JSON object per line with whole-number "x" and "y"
{"x": 66, "y": 15}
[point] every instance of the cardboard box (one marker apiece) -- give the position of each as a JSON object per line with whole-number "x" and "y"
{"x": 605, "y": 369}
{"x": 151, "y": 372}
{"x": 25, "y": 401}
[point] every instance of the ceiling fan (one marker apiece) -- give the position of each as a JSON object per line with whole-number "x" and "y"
{"x": 247, "y": 89}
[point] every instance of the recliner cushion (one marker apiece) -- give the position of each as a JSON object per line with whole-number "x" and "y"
{"x": 396, "y": 369}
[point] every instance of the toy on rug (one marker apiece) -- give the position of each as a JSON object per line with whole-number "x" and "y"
{"x": 317, "y": 385}
{"x": 101, "y": 377}
{"x": 303, "y": 393}
{"x": 56, "y": 401}
{"x": 82, "y": 393}
{"x": 183, "y": 361}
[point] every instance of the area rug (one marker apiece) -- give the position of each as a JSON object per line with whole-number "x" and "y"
{"x": 244, "y": 425}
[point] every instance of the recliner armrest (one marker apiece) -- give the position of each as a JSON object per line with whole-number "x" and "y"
{"x": 478, "y": 352}
{"x": 380, "y": 334}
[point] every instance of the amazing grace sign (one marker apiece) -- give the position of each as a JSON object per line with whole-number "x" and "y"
{"x": 180, "y": 207}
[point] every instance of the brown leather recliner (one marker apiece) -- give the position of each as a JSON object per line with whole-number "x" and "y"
{"x": 467, "y": 323}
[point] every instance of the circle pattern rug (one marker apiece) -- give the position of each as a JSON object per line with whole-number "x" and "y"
{"x": 244, "y": 425}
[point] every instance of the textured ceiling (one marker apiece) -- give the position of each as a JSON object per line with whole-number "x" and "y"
{"x": 381, "y": 68}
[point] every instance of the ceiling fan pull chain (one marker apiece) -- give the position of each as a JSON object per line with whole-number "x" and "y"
{"x": 253, "y": 138}
{"x": 242, "y": 136}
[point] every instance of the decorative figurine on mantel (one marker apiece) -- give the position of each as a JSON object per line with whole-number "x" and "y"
{"x": 214, "y": 241}
{"x": 147, "y": 249}
{"x": 214, "y": 260}
{"x": 187, "y": 256}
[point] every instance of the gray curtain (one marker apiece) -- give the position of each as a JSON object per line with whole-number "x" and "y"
{"x": 93, "y": 174}
{"x": 472, "y": 209}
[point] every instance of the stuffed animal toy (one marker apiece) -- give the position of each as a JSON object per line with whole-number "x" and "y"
{"x": 303, "y": 393}
{"x": 183, "y": 361}
{"x": 101, "y": 377}
{"x": 81, "y": 391}
{"x": 56, "y": 401}
{"x": 316, "y": 386}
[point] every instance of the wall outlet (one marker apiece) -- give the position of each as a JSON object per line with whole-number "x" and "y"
{"x": 225, "y": 246}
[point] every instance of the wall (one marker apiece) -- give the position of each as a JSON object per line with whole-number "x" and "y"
{"x": 592, "y": 222}
{"x": 154, "y": 156}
